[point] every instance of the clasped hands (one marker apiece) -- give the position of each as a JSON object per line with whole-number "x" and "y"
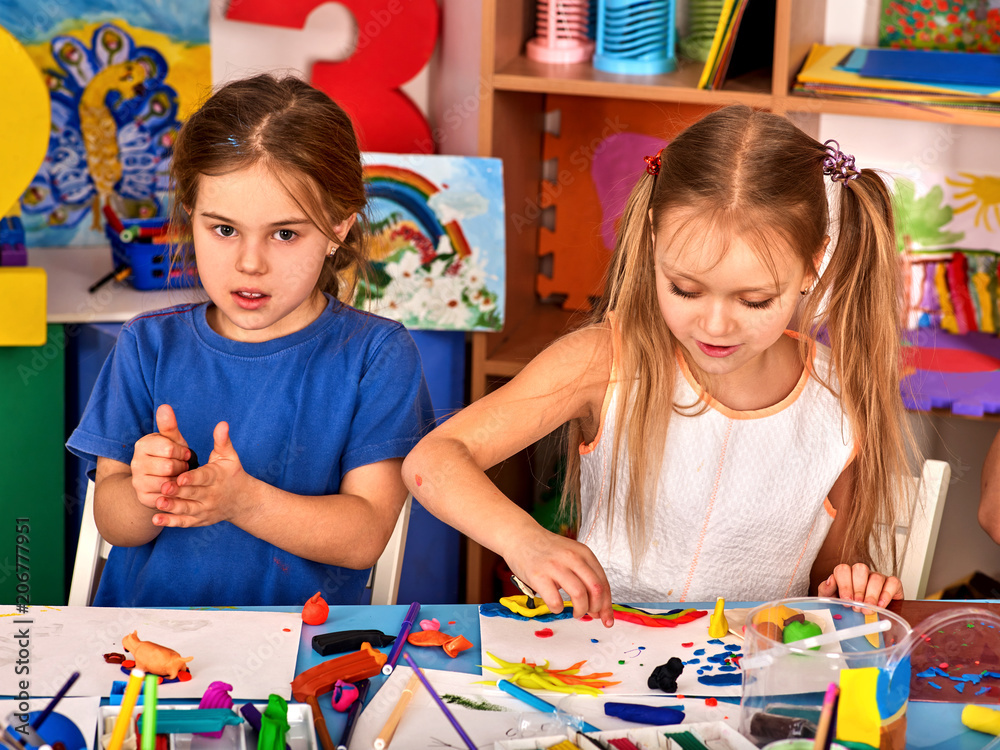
{"x": 203, "y": 496}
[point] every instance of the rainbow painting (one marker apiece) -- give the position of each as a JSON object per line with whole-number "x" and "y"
{"x": 438, "y": 251}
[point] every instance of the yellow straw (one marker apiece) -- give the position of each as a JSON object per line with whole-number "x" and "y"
{"x": 125, "y": 711}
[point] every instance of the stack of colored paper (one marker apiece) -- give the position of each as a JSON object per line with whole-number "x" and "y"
{"x": 920, "y": 78}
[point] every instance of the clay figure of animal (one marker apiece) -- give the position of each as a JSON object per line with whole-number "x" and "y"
{"x": 154, "y": 658}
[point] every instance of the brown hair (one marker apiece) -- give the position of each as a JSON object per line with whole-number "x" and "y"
{"x": 304, "y": 138}
{"x": 758, "y": 177}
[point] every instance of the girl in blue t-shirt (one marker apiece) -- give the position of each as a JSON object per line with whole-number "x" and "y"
{"x": 248, "y": 448}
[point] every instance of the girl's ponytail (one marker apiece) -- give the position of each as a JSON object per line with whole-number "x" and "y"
{"x": 862, "y": 294}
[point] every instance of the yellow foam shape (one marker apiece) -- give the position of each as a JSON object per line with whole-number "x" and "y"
{"x": 858, "y": 719}
{"x": 22, "y": 306}
{"x": 25, "y": 122}
{"x": 981, "y": 719}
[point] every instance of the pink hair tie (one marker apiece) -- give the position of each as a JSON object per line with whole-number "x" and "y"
{"x": 838, "y": 165}
{"x": 653, "y": 163}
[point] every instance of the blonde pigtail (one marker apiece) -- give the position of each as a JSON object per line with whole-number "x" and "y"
{"x": 862, "y": 293}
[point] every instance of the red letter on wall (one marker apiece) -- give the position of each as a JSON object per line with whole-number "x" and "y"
{"x": 395, "y": 41}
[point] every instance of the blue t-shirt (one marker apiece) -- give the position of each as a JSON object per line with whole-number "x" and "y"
{"x": 303, "y": 410}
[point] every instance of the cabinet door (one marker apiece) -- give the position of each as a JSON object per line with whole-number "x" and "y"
{"x": 32, "y": 414}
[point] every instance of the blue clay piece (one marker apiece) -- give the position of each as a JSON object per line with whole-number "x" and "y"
{"x": 733, "y": 647}
{"x": 992, "y": 674}
{"x": 674, "y": 611}
{"x": 982, "y": 690}
{"x": 934, "y": 685}
{"x": 960, "y": 687}
{"x": 594, "y": 640}
{"x": 496, "y": 609}
{"x": 927, "y": 673}
{"x": 938, "y": 670}
{"x": 693, "y": 661}
{"x": 727, "y": 668}
{"x": 719, "y": 658}
{"x": 721, "y": 679}
{"x": 973, "y": 678}
{"x": 716, "y": 642}
{"x": 640, "y": 714}
{"x": 700, "y": 652}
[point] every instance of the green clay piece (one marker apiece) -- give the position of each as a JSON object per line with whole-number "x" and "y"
{"x": 796, "y": 631}
{"x": 273, "y": 724}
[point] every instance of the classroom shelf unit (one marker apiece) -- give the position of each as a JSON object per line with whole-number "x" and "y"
{"x": 512, "y": 127}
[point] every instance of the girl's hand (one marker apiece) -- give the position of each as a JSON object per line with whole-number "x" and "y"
{"x": 858, "y": 583}
{"x": 551, "y": 562}
{"x": 209, "y": 494}
{"x": 158, "y": 457}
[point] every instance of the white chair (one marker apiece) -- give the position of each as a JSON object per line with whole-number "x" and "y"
{"x": 917, "y": 528}
{"x": 92, "y": 552}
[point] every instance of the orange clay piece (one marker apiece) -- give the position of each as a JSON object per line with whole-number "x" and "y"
{"x": 154, "y": 658}
{"x": 365, "y": 662}
{"x": 316, "y": 610}
{"x": 453, "y": 645}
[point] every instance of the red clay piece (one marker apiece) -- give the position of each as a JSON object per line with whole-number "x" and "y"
{"x": 453, "y": 645}
{"x": 456, "y": 645}
{"x": 316, "y": 610}
{"x": 366, "y": 662}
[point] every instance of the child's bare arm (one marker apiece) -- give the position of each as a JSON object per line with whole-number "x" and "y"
{"x": 121, "y": 519}
{"x": 989, "y": 501}
{"x": 831, "y": 576}
{"x": 446, "y": 469}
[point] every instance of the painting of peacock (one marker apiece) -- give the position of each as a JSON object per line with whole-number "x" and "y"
{"x": 114, "y": 122}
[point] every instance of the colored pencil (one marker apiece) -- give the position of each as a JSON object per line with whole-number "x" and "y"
{"x": 397, "y": 647}
{"x": 55, "y": 699}
{"x": 125, "y": 710}
{"x": 385, "y": 736}
{"x": 149, "y": 712}
{"x": 352, "y": 715}
{"x": 537, "y": 703}
{"x": 441, "y": 704}
{"x": 824, "y": 732}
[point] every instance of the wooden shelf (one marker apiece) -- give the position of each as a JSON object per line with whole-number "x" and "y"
{"x": 867, "y": 108}
{"x": 522, "y": 74}
{"x": 512, "y": 348}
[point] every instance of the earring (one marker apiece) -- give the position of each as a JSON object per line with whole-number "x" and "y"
{"x": 804, "y": 292}
{"x": 332, "y": 251}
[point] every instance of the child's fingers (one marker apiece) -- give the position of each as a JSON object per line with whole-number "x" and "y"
{"x": 843, "y": 582}
{"x": 827, "y": 587}
{"x": 166, "y": 423}
{"x": 873, "y": 589}
{"x": 892, "y": 589}
{"x": 175, "y": 521}
{"x": 859, "y": 576}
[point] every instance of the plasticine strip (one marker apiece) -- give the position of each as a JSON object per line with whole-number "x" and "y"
{"x": 194, "y": 721}
{"x": 367, "y": 662}
{"x": 981, "y": 719}
{"x": 349, "y": 640}
{"x": 642, "y": 714}
{"x": 518, "y": 605}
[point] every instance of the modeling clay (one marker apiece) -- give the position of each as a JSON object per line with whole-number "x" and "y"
{"x": 216, "y": 696}
{"x": 796, "y": 631}
{"x": 529, "y": 675}
{"x": 154, "y": 658}
{"x": 453, "y": 645}
{"x": 273, "y": 724}
{"x": 193, "y": 721}
{"x": 316, "y": 610}
{"x": 673, "y": 618}
{"x": 431, "y": 624}
{"x": 366, "y": 662}
{"x": 253, "y": 717}
{"x": 664, "y": 677}
{"x": 718, "y": 626}
{"x": 344, "y": 694}
{"x": 349, "y": 640}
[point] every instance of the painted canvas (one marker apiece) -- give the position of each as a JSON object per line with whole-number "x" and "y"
{"x": 438, "y": 250}
{"x": 965, "y": 25}
{"x": 122, "y": 75}
{"x": 948, "y": 229}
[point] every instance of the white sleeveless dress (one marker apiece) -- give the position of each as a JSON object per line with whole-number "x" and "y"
{"x": 741, "y": 509}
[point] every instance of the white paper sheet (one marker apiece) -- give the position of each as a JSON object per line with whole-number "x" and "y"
{"x": 252, "y": 651}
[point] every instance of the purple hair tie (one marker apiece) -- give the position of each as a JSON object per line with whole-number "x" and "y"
{"x": 837, "y": 164}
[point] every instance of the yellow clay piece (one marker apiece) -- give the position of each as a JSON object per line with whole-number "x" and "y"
{"x": 718, "y": 626}
{"x": 776, "y": 615}
{"x": 518, "y": 605}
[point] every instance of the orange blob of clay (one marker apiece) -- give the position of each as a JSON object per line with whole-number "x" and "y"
{"x": 154, "y": 658}
{"x": 315, "y": 611}
{"x": 453, "y": 645}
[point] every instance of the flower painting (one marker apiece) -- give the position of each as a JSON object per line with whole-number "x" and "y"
{"x": 438, "y": 241}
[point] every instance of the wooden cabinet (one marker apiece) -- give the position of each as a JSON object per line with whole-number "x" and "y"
{"x": 515, "y": 92}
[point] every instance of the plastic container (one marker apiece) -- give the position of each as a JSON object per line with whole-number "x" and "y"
{"x": 150, "y": 261}
{"x": 563, "y": 30}
{"x": 784, "y": 684}
{"x": 636, "y": 37}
